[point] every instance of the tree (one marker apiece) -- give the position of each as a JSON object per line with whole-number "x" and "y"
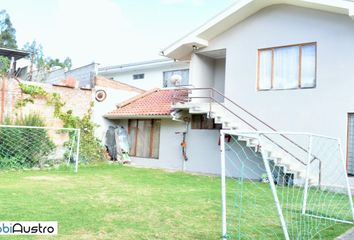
{"x": 7, "y": 31}
{"x": 36, "y": 54}
{"x": 43, "y": 64}
{"x": 56, "y": 62}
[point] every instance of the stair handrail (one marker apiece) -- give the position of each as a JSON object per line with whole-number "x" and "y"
{"x": 212, "y": 99}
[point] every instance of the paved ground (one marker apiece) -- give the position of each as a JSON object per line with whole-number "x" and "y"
{"x": 349, "y": 235}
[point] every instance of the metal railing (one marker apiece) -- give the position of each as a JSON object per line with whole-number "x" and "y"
{"x": 183, "y": 95}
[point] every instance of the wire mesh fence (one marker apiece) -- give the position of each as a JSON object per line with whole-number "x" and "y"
{"x": 28, "y": 147}
{"x": 283, "y": 186}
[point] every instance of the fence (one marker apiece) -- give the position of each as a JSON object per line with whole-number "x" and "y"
{"x": 27, "y": 147}
{"x": 275, "y": 190}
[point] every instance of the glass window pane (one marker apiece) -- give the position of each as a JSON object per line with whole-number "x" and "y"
{"x": 286, "y": 67}
{"x": 308, "y": 66}
{"x": 265, "y": 69}
{"x": 184, "y": 74}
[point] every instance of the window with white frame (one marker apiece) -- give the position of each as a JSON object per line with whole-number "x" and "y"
{"x": 289, "y": 67}
{"x": 168, "y": 76}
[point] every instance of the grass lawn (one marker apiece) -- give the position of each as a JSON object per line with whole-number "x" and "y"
{"x": 118, "y": 202}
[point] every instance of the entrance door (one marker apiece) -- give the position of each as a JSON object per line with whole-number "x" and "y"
{"x": 350, "y": 144}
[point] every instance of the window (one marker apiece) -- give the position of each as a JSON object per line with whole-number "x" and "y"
{"x": 167, "y": 77}
{"x": 138, "y": 76}
{"x": 201, "y": 121}
{"x": 289, "y": 67}
{"x": 144, "y": 136}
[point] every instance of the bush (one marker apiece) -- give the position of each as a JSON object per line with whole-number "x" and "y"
{"x": 4, "y": 65}
{"x": 24, "y": 147}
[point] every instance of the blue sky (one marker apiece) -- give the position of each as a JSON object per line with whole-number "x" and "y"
{"x": 107, "y": 31}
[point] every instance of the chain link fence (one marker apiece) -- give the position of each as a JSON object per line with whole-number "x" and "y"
{"x": 29, "y": 147}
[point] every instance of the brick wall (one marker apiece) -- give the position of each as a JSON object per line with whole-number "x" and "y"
{"x": 76, "y": 99}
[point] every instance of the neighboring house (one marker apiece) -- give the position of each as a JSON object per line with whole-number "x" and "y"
{"x": 288, "y": 62}
{"x": 149, "y": 74}
{"x": 15, "y": 56}
{"x": 83, "y": 75}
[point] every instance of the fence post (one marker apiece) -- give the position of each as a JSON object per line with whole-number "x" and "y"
{"x": 274, "y": 191}
{"x": 309, "y": 155}
{"x": 223, "y": 186}
{"x": 77, "y": 150}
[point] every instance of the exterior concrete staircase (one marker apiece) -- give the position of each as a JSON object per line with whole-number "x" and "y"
{"x": 233, "y": 117}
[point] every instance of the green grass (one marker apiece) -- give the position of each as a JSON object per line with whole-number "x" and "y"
{"x": 118, "y": 202}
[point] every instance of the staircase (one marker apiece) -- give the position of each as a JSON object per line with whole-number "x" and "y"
{"x": 284, "y": 154}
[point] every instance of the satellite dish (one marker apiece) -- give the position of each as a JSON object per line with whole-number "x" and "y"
{"x": 176, "y": 79}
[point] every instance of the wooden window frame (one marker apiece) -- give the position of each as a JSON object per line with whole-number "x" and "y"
{"x": 300, "y": 66}
{"x": 151, "y": 137}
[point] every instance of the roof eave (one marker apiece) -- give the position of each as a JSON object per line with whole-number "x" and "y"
{"x": 115, "y": 117}
{"x": 183, "y": 48}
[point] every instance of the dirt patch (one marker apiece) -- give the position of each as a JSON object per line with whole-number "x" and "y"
{"x": 46, "y": 178}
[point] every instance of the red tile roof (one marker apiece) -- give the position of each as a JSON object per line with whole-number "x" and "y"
{"x": 154, "y": 102}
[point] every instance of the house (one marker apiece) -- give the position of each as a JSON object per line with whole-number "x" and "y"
{"x": 107, "y": 93}
{"x": 155, "y": 137}
{"x": 149, "y": 74}
{"x": 83, "y": 75}
{"x": 15, "y": 56}
{"x": 279, "y": 64}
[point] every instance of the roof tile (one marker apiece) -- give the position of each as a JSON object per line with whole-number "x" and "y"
{"x": 154, "y": 102}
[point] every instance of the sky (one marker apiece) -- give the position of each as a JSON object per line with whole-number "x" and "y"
{"x": 108, "y": 32}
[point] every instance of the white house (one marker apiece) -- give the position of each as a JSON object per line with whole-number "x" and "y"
{"x": 284, "y": 63}
{"x": 149, "y": 74}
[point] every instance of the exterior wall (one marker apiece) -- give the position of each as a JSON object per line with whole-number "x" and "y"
{"x": 153, "y": 77}
{"x": 207, "y": 72}
{"x": 76, "y": 100}
{"x": 320, "y": 110}
{"x": 114, "y": 96}
{"x": 201, "y": 159}
{"x": 202, "y": 71}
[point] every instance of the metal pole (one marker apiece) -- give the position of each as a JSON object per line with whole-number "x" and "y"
{"x": 77, "y": 151}
{"x": 274, "y": 191}
{"x": 223, "y": 186}
{"x": 304, "y": 203}
{"x": 346, "y": 179}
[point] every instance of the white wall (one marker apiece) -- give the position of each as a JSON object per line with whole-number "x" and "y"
{"x": 153, "y": 77}
{"x": 203, "y": 151}
{"x": 320, "y": 110}
{"x": 114, "y": 97}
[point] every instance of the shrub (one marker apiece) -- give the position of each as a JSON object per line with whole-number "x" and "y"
{"x": 24, "y": 147}
{"x": 4, "y": 65}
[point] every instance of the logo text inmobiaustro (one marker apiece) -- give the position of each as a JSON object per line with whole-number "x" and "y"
{"x": 29, "y": 228}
